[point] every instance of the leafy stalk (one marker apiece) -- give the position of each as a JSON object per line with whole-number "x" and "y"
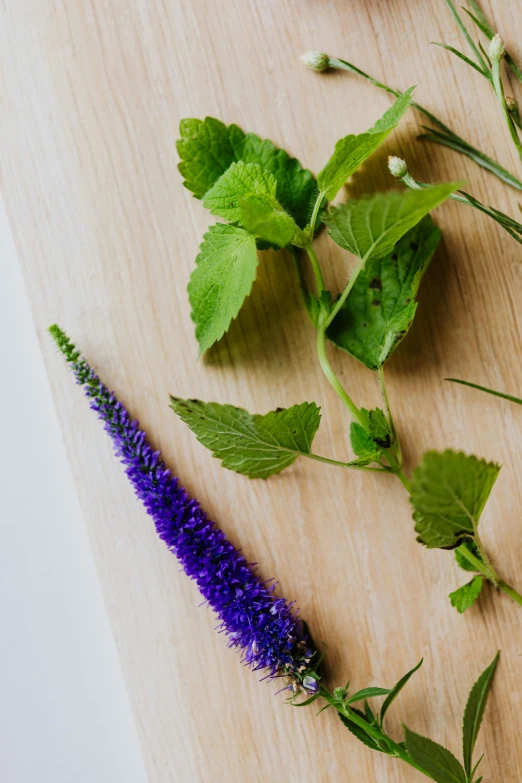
{"x": 399, "y": 169}
{"x": 485, "y": 389}
{"x": 441, "y": 134}
{"x": 426, "y": 756}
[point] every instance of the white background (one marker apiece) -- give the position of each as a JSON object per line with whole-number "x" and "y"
{"x": 64, "y": 712}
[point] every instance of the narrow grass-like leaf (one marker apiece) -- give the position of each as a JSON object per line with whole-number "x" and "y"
{"x": 359, "y": 732}
{"x": 367, "y": 693}
{"x": 396, "y": 690}
{"x": 485, "y": 389}
{"x": 474, "y": 712}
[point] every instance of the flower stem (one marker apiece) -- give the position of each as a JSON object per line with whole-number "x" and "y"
{"x": 318, "y": 275}
{"x": 499, "y": 90}
{"x": 509, "y": 591}
{"x": 332, "y": 377}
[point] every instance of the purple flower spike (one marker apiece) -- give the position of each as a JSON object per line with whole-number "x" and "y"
{"x": 264, "y": 627}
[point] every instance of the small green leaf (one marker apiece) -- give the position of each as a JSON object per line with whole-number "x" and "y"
{"x": 362, "y": 444}
{"x": 358, "y": 732}
{"x": 207, "y": 148}
{"x": 397, "y": 689}
{"x": 370, "y": 227}
{"x": 381, "y": 307}
{"x": 461, "y": 559}
{"x": 448, "y": 492}
{"x": 307, "y": 701}
{"x": 351, "y": 151}
{"x": 367, "y": 693}
{"x": 466, "y": 595}
{"x": 474, "y": 713}
{"x": 257, "y": 446}
{"x": 226, "y": 268}
{"x": 241, "y": 179}
{"x": 379, "y": 428}
{"x": 433, "y": 759}
{"x": 264, "y": 217}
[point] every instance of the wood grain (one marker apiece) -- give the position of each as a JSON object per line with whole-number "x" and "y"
{"x": 92, "y": 94}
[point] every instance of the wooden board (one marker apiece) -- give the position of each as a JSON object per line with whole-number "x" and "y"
{"x": 93, "y": 91}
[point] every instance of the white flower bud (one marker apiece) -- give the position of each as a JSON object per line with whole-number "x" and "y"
{"x": 397, "y": 166}
{"x": 497, "y": 49}
{"x": 317, "y": 61}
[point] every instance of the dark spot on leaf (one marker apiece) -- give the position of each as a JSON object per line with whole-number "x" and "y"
{"x": 407, "y": 301}
{"x": 376, "y": 283}
{"x": 365, "y": 325}
{"x": 414, "y": 246}
{"x": 376, "y": 302}
{"x": 278, "y": 410}
{"x": 384, "y": 443}
{"x": 394, "y": 256}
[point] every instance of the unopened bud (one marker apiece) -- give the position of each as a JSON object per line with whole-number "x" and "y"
{"x": 397, "y": 166}
{"x": 317, "y": 61}
{"x": 497, "y": 49}
{"x": 511, "y": 104}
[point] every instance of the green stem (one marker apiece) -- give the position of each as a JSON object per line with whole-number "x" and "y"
{"x": 318, "y": 275}
{"x": 499, "y": 90}
{"x": 444, "y": 135}
{"x": 315, "y": 213}
{"x": 384, "y": 395}
{"x": 483, "y": 563}
{"x": 376, "y": 734}
{"x": 342, "y": 299}
{"x": 509, "y": 591}
{"x": 332, "y": 378}
{"x": 338, "y": 464}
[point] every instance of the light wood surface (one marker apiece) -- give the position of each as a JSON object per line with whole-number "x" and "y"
{"x": 92, "y": 94}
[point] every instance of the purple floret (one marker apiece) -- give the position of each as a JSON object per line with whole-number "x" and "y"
{"x": 266, "y": 628}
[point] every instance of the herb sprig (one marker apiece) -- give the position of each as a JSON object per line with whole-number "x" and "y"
{"x": 249, "y": 182}
{"x": 489, "y": 64}
{"x": 266, "y": 629}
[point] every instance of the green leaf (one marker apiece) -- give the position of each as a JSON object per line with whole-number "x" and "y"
{"x": 397, "y": 689}
{"x": 461, "y": 559}
{"x": 448, "y": 492}
{"x": 225, "y": 269}
{"x": 257, "y": 446}
{"x": 474, "y": 712}
{"x": 264, "y": 217}
{"x": 351, "y": 151}
{"x": 466, "y": 595}
{"x": 207, "y": 148}
{"x": 367, "y": 693}
{"x": 379, "y": 428}
{"x": 358, "y": 732}
{"x": 381, "y": 307}
{"x": 434, "y": 759}
{"x": 371, "y": 226}
{"x": 241, "y": 179}
{"x": 362, "y": 444}
{"x": 485, "y": 389}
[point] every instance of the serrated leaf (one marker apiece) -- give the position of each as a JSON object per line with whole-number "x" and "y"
{"x": 474, "y": 713}
{"x": 226, "y": 268}
{"x": 460, "y": 558}
{"x": 208, "y": 147}
{"x": 466, "y": 595}
{"x": 367, "y": 693}
{"x": 379, "y": 428}
{"x": 370, "y": 227}
{"x": 263, "y": 217}
{"x": 396, "y": 690}
{"x": 358, "y": 732}
{"x": 256, "y": 446}
{"x": 363, "y": 445}
{"x": 351, "y": 151}
{"x": 434, "y": 759}
{"x": 448, "y": 492}
{"x": 239, "y": 180}
{"x": 381, "y": 307}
